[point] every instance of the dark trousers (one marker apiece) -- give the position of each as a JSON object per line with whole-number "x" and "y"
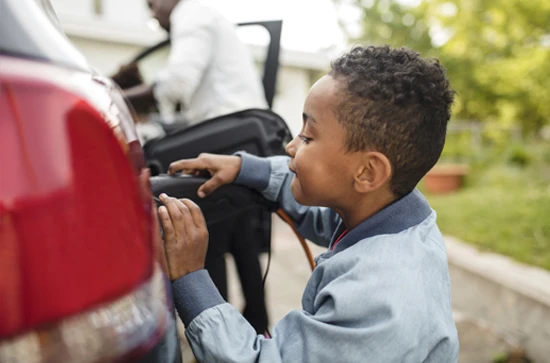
{"x": 244, "y": 237}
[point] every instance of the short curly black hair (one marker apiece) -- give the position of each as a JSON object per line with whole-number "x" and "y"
{"x": 396, "y": 103}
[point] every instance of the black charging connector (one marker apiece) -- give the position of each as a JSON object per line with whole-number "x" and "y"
{"x": 225, "y": 202}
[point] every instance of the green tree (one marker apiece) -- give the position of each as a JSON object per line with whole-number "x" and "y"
{"x": 497, "y": 52}
{"x": 391, "y": 22}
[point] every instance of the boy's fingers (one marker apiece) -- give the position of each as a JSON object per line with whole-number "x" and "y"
{"x": 190, "y": 171}
{"x": 187, "y": 165}
{"x": 196, "y": 213}
{"x": 173, "y": 209}
{"x": 210, "y": 185}
{"x": 167, "y": 226}
{"x": 186, "y": 215}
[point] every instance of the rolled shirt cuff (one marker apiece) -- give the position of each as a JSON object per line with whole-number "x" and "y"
{"x": 194, "y": 293}
{"x": 255, "y": 171}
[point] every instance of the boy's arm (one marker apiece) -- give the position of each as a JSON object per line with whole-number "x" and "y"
{"x": 354, "y": 309}
{"x": 272, "y": 177}
{"x": 346, "y": 323}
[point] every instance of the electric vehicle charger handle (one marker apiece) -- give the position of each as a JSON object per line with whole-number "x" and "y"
{"x": 224, "y": 202}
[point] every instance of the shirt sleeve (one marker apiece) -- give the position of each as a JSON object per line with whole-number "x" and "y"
{"x": 345, "y": 324}
{"x": 272, "y": 177}
{"x": 190, "y": 54}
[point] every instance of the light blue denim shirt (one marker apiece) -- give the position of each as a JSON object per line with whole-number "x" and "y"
{"x": 382, "y": 295}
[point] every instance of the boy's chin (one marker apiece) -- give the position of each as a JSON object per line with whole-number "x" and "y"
{"x": 298, "y": 195}
{"x": 299, "y": 200}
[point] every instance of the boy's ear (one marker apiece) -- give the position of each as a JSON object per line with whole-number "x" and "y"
{"x": 374, "y": 171}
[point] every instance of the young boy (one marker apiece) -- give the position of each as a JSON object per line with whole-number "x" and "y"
{"x": 372, "y": 128}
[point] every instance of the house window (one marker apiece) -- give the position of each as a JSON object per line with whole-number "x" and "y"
{"x": 98, "y": 7}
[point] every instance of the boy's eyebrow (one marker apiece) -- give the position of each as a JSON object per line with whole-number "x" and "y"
{"x": 306, "y": 116}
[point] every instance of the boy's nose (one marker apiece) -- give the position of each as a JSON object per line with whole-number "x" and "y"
{"x": 291, "y": 147}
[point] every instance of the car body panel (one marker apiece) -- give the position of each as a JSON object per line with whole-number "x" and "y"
{"x": 67, "y": 186}
{"x": 30, "y": 29}
{"x": 81, "y": 275}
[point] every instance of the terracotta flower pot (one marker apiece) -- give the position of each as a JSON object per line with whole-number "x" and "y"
{"x": 445, "y": 178}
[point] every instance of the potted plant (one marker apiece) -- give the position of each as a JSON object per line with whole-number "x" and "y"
{"x": 445, "y": 178}
{"x": 448, "y": 174}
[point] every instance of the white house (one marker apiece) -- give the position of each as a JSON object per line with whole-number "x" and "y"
{"x": 110, "y": 32}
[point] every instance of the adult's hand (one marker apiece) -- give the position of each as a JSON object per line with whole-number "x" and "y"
{"x": 223, "y": 169}
{"x": 185, "y": 236}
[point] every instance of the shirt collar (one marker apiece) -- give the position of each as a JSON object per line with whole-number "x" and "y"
{"x": 402, "y": 214}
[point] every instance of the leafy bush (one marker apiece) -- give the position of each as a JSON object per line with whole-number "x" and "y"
{"x": 519, "y": 156}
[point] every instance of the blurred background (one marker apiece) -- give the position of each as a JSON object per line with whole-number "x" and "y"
{"x": 111, "y": 32}
{"x": 491, "y": 188}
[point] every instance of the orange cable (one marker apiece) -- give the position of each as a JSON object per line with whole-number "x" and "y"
{"x": 285, "y": 217}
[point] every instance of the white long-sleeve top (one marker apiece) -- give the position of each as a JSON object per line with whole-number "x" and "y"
{"x": 210, "y": 72}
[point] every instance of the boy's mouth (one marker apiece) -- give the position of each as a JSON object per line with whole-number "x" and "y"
{"x": 292, "y": 169}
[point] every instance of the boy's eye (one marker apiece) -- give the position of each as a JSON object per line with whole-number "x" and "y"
{"x": 304, "y": 138}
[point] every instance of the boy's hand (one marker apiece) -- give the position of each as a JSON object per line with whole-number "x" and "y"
{"x": 223, "y": 169}
{"x": 185, "y": 236}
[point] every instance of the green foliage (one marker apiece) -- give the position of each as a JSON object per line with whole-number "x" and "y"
{"x": 511, "y": 221}
{"x": 389, "y": 22}
{"x": 519, "y": 156}
{"x": 468, "y": 143}
{"x": 496, "y": 52}
{"x": 503, "y": 208}
{"x": 501, "y": 358}
{"x": 458, "y": 148}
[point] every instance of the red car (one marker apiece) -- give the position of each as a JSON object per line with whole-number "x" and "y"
{"x": 80, "y": 273}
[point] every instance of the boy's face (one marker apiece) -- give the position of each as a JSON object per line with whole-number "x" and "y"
{"x": 323, "y": 169}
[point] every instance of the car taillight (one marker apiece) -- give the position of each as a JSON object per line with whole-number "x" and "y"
{"x": 75, "y": 227}
{"x": 121, "y": 329}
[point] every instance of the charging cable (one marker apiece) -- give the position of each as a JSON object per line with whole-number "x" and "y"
{"x": 285, "y": 217}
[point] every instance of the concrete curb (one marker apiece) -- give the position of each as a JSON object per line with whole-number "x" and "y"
{"x": 512, "y": 298}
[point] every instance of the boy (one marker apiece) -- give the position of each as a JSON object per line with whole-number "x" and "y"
{"x": 372, "y": 127}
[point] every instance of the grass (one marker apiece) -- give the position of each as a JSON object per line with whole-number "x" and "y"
{"x": 505, "y": 206}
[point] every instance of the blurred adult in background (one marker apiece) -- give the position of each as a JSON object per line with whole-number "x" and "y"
{"x": 209, "y": 73}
